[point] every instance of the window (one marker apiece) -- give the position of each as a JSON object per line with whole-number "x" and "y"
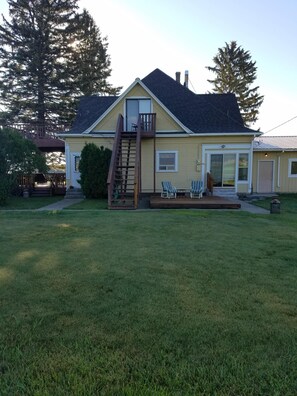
{"x": 167, "y": 161}
{"x": 293, "y": 167}
{"x": 243, "y": 167}
{"x": 76, "y": 163}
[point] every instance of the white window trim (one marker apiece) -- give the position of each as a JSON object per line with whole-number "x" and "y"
{"x": 289, "y": 167}
{"x": 158, "y": 161}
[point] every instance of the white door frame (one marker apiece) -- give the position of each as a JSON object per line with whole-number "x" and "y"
{"x": 74, "y": 173}
{"x": 273, "y": 173}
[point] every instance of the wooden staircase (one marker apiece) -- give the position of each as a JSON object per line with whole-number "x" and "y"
{"x": 123, "y": 186}
{"x": 123, "y": 189}
{"x": 124, "y": 171}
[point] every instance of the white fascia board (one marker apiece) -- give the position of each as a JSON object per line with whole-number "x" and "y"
{"x": 88, "y": 130}
{"x": 186, "y": 129}
{"x": 138, "y": 81}
{"x": 225, "y": 134}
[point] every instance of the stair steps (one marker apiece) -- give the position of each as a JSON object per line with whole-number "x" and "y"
{"x": 123, "y": 188}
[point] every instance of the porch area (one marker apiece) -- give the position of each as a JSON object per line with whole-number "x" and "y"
{"x": 185, "y": 202}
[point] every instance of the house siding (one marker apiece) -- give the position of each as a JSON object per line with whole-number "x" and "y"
{"x": 282, "y": 183}
{"x": 191, "y": 164}
{"x": 163, "y": 121}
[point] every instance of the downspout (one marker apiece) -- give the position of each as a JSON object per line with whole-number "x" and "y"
{"x": 250, "y": 189}
{"x": 278, "y": 171}
{"x": 155, "y": 163}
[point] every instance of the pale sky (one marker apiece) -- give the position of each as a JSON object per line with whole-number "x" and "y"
{"x": 179, "y": 35}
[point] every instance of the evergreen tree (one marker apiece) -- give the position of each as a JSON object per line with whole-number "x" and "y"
{"x": 93, "y": 167}
{"x": 39, "y": 60}
{"x": 90, "y": 61}
{"x": 235, "y": 73}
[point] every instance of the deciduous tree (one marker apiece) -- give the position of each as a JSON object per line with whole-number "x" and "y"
{"x": 18, "y": 156}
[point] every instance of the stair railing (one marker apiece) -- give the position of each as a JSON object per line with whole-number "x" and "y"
{"x": 113, "y": 160}
{"x": 137, "y": 163}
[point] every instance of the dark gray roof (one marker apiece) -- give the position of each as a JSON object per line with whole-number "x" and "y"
{"x": 206, "y": 113}
{"x": 89, "y": 110}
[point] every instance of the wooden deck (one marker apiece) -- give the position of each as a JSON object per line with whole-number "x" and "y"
{"x": 206, "y": 202}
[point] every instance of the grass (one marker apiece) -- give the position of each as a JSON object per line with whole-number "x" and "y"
{"x": 288, "y": 203}
{"x": 20, "y": 203}
{"x": 89, "y": 204}
{"x": 148, "y": 303}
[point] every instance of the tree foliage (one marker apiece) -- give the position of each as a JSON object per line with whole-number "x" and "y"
{"x": 93, "y": 167}
{"x": 46, "y": 61}
{"x": 235, "y": 73}
{"x": 18, "y": 156}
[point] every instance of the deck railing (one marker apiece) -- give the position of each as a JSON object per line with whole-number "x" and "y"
{"x": 39, "y": 131}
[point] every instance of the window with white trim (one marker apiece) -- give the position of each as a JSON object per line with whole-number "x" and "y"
{"x": 292, "y": 167}
{"x": 243, "y": 167}
{"x": 167, "y": 161}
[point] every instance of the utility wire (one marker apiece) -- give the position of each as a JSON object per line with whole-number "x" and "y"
{"x": 272, "y": 129}
{"x": 192, "y": 86}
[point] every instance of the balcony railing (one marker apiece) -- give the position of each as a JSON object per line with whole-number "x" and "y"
{"x": 147, "y": 124}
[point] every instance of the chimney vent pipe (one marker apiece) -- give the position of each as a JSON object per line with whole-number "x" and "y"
{"x": 177, "y": 77}
{"x": 186, "y": 84}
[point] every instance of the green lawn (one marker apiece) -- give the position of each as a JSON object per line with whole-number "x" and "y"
{"x": 89, "y": 204}
{"x": 21, "y": 203}
{"x": 288, "y": 203}
{"x": 166, "y": 302}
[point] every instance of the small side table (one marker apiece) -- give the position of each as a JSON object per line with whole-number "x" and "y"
{"x": 181, "y": 192}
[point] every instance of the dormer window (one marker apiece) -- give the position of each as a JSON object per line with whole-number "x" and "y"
{"x": 133, "y": 108}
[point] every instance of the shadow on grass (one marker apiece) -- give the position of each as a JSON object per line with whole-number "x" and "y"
{"x": 147, "y": 303}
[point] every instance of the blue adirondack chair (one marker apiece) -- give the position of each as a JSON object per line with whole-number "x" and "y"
{"x": 168, "y": 190}
{"x": 196, "y": 189}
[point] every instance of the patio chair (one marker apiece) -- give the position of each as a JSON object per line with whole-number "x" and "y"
{"x": 196, "y": 189}
{"x": 168, "y": 190}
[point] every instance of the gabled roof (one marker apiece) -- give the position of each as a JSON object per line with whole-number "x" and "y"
{"x": 200, "y": 114}
{"x": 89, "y": 110}
{"x": 275, "y": 143}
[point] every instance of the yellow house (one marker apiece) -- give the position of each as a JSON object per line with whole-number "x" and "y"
{"x": 275, "y": 164}
{"x": 160, "y": 130}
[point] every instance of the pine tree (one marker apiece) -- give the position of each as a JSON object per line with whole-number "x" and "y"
{"x": 235, "y": 73}
{"x": 90, "y": 61}
{"x": 41, "y": 76}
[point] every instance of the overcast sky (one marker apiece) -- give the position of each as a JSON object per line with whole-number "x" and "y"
{"x": 179, "y": 35}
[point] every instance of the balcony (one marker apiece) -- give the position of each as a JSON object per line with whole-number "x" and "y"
{"x": 147, "y": 125}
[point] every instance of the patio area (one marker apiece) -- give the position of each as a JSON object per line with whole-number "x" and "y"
{"x": 185, "y": 202}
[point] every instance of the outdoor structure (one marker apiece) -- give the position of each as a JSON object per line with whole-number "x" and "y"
{"x": 275, "y": 164}
{"x": 160, "y": 130}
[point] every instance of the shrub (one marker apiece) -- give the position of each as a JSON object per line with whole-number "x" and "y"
{"x": 93, "y": 167}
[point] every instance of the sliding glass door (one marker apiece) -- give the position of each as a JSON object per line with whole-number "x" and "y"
{"x": 223, "y": 169}
{"x": 133, "y": 108}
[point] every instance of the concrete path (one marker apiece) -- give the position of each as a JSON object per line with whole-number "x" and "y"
{"x": 64, "y": 203}
{"x": 247, "y": 207}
